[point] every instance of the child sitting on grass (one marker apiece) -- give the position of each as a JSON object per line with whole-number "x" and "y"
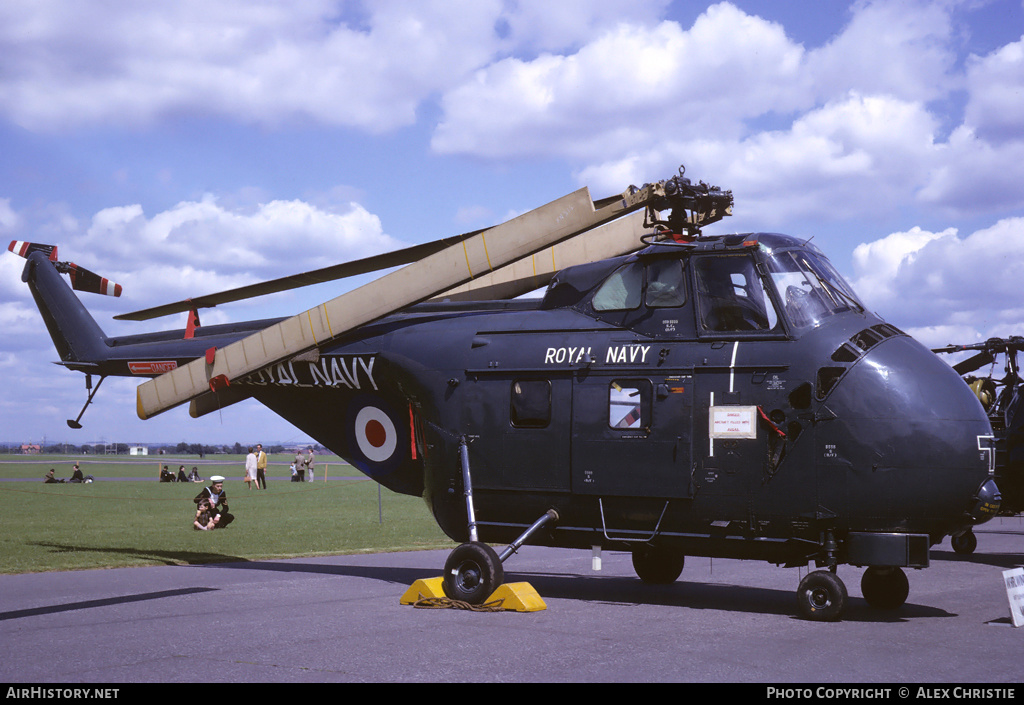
{"x": 205, "y": 519}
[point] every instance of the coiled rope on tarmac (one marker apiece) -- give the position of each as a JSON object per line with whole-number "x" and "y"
{"x": 440, "y": 603}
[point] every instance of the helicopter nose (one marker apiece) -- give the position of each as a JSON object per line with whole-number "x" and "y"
{"x": 919, "y": 441}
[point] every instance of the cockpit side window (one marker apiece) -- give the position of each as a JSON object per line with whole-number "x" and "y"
{"x": 665, "y": 287}
{"x": 622, "y": 290}
{"x": 731, "y": 295}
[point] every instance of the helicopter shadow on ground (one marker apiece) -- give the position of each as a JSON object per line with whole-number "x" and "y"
{"x": 164, "y": 557}
{"x": 588, "y": 588}
{"x": 102, "y": 602}
{"x": 997, "y": 560}
{"x": 704, "y": 596}
{"x": 389, "y": 574}
{"x": 616, "y": 590}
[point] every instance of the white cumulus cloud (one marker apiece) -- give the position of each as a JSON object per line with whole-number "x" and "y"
{"x": 940, "y": 283}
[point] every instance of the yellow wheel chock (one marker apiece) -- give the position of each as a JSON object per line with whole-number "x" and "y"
{"x": 516, "y": 597}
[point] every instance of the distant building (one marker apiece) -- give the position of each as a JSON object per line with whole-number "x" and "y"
{"x": 30, "y": 449}
{"x": 138, "y": 450}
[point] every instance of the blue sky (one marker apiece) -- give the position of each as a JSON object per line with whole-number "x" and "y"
{"x": 188, "y": 147}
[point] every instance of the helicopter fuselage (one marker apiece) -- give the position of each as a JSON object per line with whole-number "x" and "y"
{"x": 672, "y": 397}
{"x": 726, "y": 396}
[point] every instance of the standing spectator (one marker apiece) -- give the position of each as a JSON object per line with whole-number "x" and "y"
{"x": 300, "y": 466}
{"x": 261, "y": 467}
{"x": 309, "y": 463}
{"x": 250, "y": 469}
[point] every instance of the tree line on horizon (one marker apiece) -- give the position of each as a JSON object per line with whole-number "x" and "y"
{"x": 182, "y": 448}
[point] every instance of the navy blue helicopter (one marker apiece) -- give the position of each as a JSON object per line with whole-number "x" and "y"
{"x": 676, "y": 394}
{"x": 1001, "y": 397}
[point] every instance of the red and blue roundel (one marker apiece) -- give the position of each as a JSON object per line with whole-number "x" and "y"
{"x": 378, "y": 437}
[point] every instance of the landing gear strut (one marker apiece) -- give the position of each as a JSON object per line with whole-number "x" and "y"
{"x": 74, "y": 423}
{"x": 474, "y": 570}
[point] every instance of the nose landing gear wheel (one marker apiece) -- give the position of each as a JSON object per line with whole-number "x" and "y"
{"x": 965, "y": 543}
{"x": 472, "y": 572}
{"x": 821, "y": 596}
{"x": 885, "y": 588}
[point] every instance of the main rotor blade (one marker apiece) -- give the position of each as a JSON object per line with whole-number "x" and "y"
{"x": 318, "y": 276}
{"x": 620, "y": 237}
{"x": 421, "y": 280}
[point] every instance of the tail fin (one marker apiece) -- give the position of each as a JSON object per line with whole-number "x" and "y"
{"x": 75, "y": 333}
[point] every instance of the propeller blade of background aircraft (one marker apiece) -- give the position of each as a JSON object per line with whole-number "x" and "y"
{"x": 295, "y": 281}
{"x": 974, "y": 362}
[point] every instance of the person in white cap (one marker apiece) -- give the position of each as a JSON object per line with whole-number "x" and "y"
{"x": 217, "y": 497}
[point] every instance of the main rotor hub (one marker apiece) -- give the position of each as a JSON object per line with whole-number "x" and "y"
{"x": 692, "y": 206}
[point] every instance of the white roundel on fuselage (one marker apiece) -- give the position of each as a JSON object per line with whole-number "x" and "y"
{"x": 375, "y": 434}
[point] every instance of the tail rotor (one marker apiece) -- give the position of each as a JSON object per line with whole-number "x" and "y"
{"x": 82, "y": 279}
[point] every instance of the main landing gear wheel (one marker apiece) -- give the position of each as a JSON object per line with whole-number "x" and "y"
{"x": 821, "y": 596}
{"x": 657, "y": 566}
{"x": 885, "y": 588}
{"x": 472, "y": 572}
{"x": 965, "y": 543}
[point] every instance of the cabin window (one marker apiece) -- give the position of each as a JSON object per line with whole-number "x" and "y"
{"x": 732, "y": 296}
{"x": 627, "y": 404}
{"x": 621, "y": 291}
{"x": 531, "y": 403}
{"x": 665, "y": 284}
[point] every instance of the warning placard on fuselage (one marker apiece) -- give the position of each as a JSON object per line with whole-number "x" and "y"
{"x": 733, "y": 421}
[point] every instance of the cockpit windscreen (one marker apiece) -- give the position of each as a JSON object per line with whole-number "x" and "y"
{"x": 810, "y": 288}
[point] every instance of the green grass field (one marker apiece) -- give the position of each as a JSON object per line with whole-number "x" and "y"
{"x": 127, "y": 518}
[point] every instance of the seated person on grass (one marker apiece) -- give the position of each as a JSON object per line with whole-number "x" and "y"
{"x": 217, "y": 498}
{"x": 205, "y": 519}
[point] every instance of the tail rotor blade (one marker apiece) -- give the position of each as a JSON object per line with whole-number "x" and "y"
{"x": 24, "y": 249}
{"x": 84, "y": 280}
